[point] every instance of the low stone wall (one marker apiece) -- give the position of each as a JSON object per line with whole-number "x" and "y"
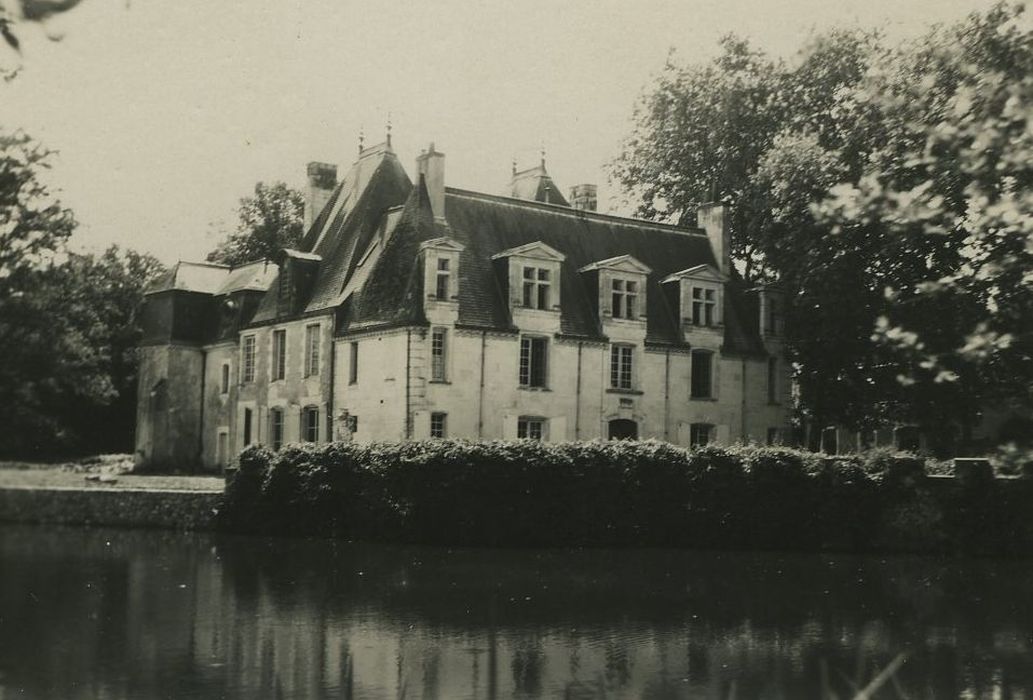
{"x": 171, "y": 510}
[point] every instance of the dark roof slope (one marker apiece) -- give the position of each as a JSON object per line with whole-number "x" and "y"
{"x": 487, "y": 225}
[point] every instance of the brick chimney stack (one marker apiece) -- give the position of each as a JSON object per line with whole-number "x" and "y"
{"x": 431, "y": 165}
{"x": 583, "y": 197}
{"x": 322, "y": 178}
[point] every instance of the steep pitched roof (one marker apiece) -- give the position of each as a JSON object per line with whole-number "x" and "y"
{"x": 345, "y": 228}
{"x": 487, "y": 225}
{"x": 191, "y": 277}
{"x": 536, "y": 185}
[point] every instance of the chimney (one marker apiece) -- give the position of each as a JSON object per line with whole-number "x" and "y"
{"x": 322, "y": 178}
{"x": 713, "y": 218}
{"x": 583, "y": 197}
{"x": 431, "y": 165}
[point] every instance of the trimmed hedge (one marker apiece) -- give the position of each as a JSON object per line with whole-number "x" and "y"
{"x": 529, "y": 493}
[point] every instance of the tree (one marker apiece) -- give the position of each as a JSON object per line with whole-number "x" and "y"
{"x": 13, "y": 12}
{"x": 67, "y": 321}
{"x": 956, "y": 180}
{"x": 271, "y": 219}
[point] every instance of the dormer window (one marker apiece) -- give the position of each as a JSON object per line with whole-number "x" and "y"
{"x": 441, "y": 266}
{"x": 531, "y": 273}
{"x": 697, "y": 293}
{"x": 536, "y": 287}
{"x": 623, "y": 299}
{"x": 620, "y": 283}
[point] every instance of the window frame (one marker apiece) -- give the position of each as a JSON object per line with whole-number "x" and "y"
{"x": 624, "y": 293}
{"x": 247, "y": 437}
{"x": 711, "y": 384}
{"x": 276, "y": 427}
{"x": 530, "y": 424}
{"x": 439, "y": 431}
{"x": 353, "y": 363}
{"x": 278, "y": 359}
{"x": 536, "y": 288}
{"x": 224, "y": 379}
{"x": 439, "y": 354}
{"x": 703, "y": 310}
{"x": 312, "y": 349}
{"x": 529, "y": 376}
{"x": 309, "y": 429}
{"x": 708, "y": 430}
{"x": 248, "y": 362}
{"x": 443, "y": 276}
{"x": 622, "y": 366}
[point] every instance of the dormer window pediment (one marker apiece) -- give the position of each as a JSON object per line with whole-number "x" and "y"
{"x": 536, "y": 250}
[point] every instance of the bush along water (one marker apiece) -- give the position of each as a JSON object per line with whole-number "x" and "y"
{"x": 528, "y": 493}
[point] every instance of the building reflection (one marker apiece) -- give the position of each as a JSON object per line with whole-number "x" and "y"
{"x": 122, "y": 614}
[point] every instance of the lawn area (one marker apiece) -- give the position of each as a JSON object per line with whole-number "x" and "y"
{"x": 99, "y": 473}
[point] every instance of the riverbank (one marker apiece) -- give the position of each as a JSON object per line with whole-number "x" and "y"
{"x": 59, "y": 496}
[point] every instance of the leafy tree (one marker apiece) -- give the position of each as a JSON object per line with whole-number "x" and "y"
{"x": 67, "y": 321}
{"x": 271, "y": 219}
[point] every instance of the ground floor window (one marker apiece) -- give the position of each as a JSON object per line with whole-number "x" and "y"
{"x": 529, "y": 428}
{"x": 438, "y": 425}
{"x": 775, "y": 436}
{"x": 830, "y": 441}
{"x": 623, "y": 429}
{"x": 700, "y": 434}
{"x": 310, "y": 424}
{"x": 222, "y": 445}
{"x": 276, "y": 428}
{"x": 247, "y": 427}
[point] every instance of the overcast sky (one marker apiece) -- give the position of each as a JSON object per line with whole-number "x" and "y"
{"x": 166, "y": 113}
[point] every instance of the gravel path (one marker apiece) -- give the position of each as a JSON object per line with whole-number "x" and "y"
{"x": 57, "y": 478}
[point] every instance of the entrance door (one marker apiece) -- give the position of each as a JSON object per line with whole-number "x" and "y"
{"x": 623, "y": 429}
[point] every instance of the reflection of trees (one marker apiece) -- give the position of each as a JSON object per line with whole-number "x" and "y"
{"x": 261, "y": 617}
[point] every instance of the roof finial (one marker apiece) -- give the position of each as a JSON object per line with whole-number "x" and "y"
{"x": 514, "y": 165}
{"x": 388, "y": 129}
{"x": 543, "y": 155}
{"x": 362, "y": 138}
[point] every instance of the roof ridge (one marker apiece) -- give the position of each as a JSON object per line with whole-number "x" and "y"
{"x": 576, "y": 213}
{"x": 204, "y": 264}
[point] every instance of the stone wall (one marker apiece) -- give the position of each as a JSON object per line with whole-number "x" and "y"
{"x": 172, "y": 510}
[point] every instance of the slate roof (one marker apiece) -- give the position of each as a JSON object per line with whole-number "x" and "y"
{"x": 535, "y": 184}
{"x": 191, "y": 277}
{"x": 378, "y": 216}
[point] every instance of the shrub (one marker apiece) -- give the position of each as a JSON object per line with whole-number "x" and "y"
{"x": 528, "y": 493}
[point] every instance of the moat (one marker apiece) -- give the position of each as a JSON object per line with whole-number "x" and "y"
{"x": 149, "y": 614}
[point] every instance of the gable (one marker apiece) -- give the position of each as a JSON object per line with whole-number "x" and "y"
{"x": 620, "y": 263}
{"x": 537, "y": 249}
{"x": 703, "y": 273}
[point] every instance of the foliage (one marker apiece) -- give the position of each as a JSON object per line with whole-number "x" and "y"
{"x": 528, "y": 493}
{"x": 270, "y": 220}
{"x": 14, "y": 12}
{"x": 908, "y": 285}
{"x": 67, "y": 322}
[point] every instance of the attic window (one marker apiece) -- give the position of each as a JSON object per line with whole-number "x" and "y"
{"x": 536, "y": 287}
{"x": 704, "y": 306}
{"x": 624, "y": 297}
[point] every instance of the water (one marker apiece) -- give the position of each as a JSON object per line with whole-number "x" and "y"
{"x": 136, "y": 614}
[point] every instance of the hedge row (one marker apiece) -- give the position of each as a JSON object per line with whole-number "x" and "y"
{"x": 529, "y": 493}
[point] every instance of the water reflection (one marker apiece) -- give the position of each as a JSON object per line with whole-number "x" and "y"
{"x": 123, "y": 614}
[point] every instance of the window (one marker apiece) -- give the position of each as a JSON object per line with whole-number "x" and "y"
{"x": 247, "y": 427}
{"x": 224, "y": 385}
{"x": 310, "y": 424}
{"x": 536, "y": 288}
{"x": 700, "y": 434}
{"x": 444, "y": 275}
{"x": 248, "y": 360}
{"x": 704, "y": 306}
{"x": 353, "y": 424}
{"x": 624, "y": 297}
{"x": 772, "y": 380}
{"x": 774, "y": 436}
{"x": 437, "y": 355}
{"x": 620, "y": 366}
{"x": 866, "y": 439}
{"x": 276, "y": 428}
{"x": 530, "y": 428}
{"x": 533, "y": 361}
{"x": 771, "y": 317}
{"x": 830, "y": 441}
{"x": 279, "y": 354}
{"x": 438, "y": 425}
{"x": 222, "y": 440}
{"x": 702, "y": 374}
{"x": 312, "y": 350}
{"x": 353, "y": 367}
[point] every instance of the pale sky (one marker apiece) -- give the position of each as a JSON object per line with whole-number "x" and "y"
{"x": 166, "y": 113}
